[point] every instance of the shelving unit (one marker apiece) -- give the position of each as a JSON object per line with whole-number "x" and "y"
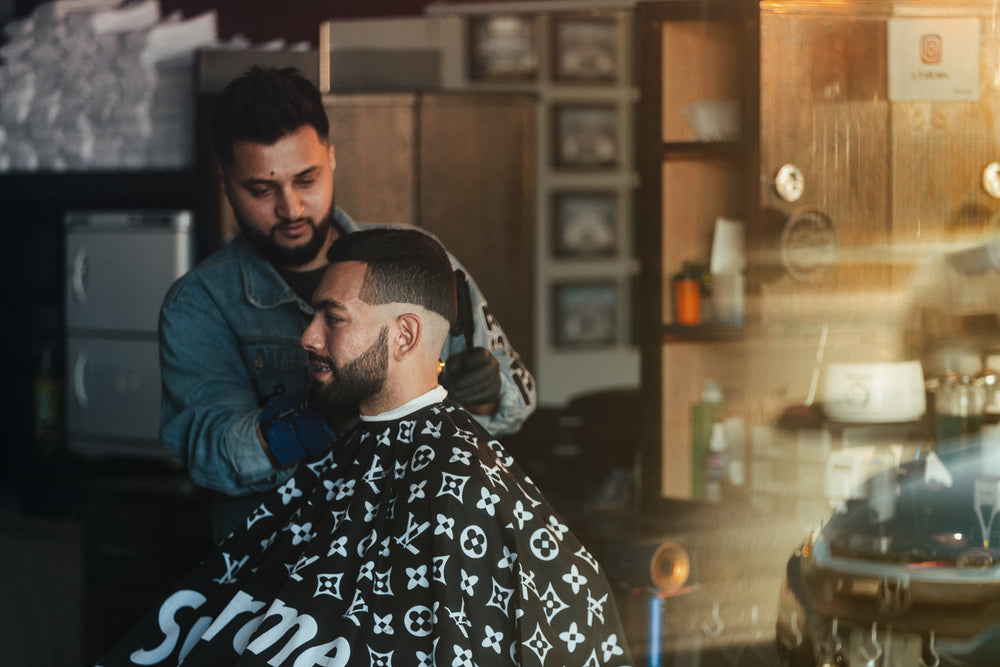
{"x": 613, "y": 361}
{"x": 689, "y": 52}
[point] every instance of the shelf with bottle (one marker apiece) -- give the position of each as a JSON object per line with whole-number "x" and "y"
{"x": 705, "y": 306}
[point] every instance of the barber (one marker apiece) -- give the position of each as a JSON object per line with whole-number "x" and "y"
{"x": 235, "y": 379}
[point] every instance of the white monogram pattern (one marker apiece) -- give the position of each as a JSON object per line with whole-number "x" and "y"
{"x": 412, "y": 542}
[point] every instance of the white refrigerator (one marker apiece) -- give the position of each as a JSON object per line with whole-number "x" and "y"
{"x": 119, "y": 265}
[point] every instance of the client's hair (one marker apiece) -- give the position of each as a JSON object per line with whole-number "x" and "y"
{"x": 404, "y": 266}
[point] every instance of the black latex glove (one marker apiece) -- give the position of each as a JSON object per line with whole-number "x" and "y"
{"x": 472, "y": 377}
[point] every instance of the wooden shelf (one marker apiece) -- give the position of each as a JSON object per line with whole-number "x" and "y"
{"x": 701, "y": 333}
{"x": 699, "y": 150}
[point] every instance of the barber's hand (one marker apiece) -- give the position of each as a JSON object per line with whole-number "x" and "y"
{"x": 472, "y": 377}
{"x": 294, "y": 430}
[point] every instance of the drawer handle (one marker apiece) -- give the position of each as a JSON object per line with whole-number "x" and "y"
{"x": 80, "y": 276}
{"x": 79, "y": 379}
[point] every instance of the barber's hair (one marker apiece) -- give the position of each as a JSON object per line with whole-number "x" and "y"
{"x": 404, "y": 266}
{"x": 263, "y": 105}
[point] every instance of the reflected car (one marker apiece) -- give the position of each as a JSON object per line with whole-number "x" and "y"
{"x": 905, "y": 571}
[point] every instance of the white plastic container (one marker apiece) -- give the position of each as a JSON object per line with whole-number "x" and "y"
{"x": 879, "y": 392}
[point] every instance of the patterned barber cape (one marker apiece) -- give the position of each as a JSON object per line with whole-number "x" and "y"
{"x": 416, "y": 542}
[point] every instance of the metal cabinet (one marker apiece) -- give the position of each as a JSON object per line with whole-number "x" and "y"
{"x": 119, "y": 266}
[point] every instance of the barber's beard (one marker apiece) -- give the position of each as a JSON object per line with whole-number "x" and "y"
{"x": 266, "y": 246}
{"x": 357, "y": 382}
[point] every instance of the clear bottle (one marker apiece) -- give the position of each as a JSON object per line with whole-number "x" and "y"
{"x": 716, "y": 463}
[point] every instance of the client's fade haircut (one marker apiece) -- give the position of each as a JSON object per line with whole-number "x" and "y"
{"x": 404, "y": 266}
{"x": 263, "y": 105}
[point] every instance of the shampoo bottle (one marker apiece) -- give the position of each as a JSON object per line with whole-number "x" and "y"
{"x": 703, "y": 414}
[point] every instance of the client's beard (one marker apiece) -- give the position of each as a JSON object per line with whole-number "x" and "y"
{"x": 357, "y": 382}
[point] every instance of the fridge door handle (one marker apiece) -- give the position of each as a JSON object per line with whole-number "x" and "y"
{"x": 79, "y": 379}
{"x": 79, "y": 278}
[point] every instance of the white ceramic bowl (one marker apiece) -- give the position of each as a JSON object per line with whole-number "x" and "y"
{"x": 714, "y": 120}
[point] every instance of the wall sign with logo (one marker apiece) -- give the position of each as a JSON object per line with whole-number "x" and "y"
{"x": 934, "y": 60}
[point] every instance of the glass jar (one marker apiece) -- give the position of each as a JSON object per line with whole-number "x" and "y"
{"x": 958, "y": 410}
{"x": 989, "y": 380}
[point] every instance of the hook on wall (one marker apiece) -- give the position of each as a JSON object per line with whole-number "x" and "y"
{"x": 719, "y": 626}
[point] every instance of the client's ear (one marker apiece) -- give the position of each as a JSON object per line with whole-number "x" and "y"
{"x": 409, "y": 331}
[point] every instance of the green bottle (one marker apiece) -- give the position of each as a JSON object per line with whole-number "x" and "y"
{"x": 703, "y": 414}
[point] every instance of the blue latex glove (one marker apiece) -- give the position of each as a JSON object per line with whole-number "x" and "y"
{"x": 293, "y": 429}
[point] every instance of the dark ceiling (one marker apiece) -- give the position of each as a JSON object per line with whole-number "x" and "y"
{"x": 291, "y": 20}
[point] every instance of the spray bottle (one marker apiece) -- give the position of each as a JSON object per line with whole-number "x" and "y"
{"x": 716, "y": 463}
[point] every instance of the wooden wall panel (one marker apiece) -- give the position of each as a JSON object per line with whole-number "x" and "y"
{"x": 375, "y": 143}
{"x": 477, "y": 193}
{"x": 939, "y": 150}
{"x": 459, "y": 165}
{"x": 894, "y": 177}
{"x": 824, "y": 108}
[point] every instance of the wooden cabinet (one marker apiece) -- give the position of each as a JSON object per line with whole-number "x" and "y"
{"x": 458, "y": 164}
{"x": 375, "y": 139}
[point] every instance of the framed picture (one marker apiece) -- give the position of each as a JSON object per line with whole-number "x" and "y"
{"x": 503, "y": 47}
{"x": 586, "y": 135}
{"x": 585, "y": 224}
{"x": 585, "y": 49}
{"x": 586, "y": 313}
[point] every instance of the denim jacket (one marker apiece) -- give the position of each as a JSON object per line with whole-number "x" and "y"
{"x": 229, "y": 340}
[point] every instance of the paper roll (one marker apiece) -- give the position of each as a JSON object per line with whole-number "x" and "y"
{"x": 728, "y": 247}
